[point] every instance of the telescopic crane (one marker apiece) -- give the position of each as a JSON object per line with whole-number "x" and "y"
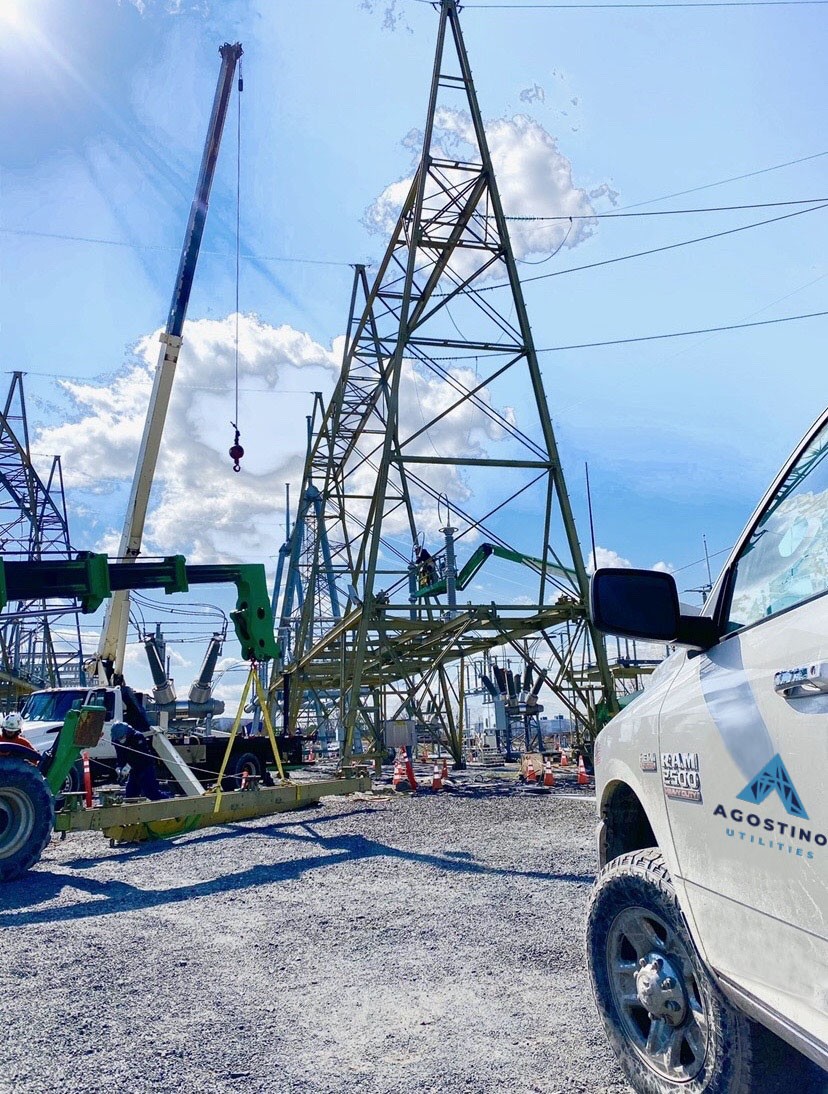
{"x": 108, "y": 665}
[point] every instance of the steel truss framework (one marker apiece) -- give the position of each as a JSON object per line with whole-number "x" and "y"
{"x": 40, "y": 641}
{"x": 419, "y": 424}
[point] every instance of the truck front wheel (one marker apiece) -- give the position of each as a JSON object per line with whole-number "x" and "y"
{"x": 26, "y": 816}
{"x": 669, "y": 1025}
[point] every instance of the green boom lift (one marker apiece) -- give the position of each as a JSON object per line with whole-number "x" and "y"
{"x": 28, "y": 798}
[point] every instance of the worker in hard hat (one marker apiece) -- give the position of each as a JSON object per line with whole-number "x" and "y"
{"x": 11, "y": 731}
{"x": 133, "y": 748}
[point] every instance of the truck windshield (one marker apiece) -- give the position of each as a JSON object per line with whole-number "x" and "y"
{"x": 51, "y": 706}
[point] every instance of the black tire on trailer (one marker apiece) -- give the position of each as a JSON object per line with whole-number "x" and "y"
{"x": 27, "y": 815}
{"x": 669, "y": 1025}
{"x": 245, "y": 763}
{"x": 73, "y": 782}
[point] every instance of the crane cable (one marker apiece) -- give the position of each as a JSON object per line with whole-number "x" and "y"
{"x": 236, "y": 450}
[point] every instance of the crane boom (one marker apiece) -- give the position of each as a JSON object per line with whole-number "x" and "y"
{"x": 112, "y": 643}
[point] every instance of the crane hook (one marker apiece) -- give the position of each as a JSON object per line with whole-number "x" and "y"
{"x": 236, "y": 452}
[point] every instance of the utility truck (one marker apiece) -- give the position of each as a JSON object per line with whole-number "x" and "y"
{"x": 708, "y": 924}
{"x": 201, "y": 746}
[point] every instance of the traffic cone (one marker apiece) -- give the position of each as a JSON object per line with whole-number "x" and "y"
{"x": 444, "y": 774}
{"x": 437, "y": 781}
{"x": 87, "y": 780}
{"x": 531, "y": 774}
{"x": 409, "y": 771}
{"x": 564, "y": 759}
{"x": 398, "y": 776}
{"x": 548, "y": 774}
{"x": 583, "y": 778}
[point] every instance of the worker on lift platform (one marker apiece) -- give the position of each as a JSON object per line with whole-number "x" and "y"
{"x": 426, "y": 568}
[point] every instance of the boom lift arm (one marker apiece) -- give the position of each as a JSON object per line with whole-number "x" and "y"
{"x": 112, "y": 644}
{"x": 476, "y": 560}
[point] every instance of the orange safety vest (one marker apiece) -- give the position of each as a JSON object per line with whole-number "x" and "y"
{"x": 17, "y": 739}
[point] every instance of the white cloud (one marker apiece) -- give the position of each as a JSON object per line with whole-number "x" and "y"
{"x": 604, "y": 556}
{"x": 199, "y": 506}
{"x": 534, "y": 179}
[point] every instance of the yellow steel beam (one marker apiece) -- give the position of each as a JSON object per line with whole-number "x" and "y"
{"x": 134, "y": 821}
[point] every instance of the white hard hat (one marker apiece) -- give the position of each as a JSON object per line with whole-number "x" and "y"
{"x": 13, "y": 723}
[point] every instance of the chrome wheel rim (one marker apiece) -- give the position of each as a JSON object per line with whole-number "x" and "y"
{"x": 657, "y": 994}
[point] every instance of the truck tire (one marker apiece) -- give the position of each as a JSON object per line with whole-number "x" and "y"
{"x": 244, "y": 763}
{"x": 27, "y": 814}
{"x": 669, "y": 1025}
{"x": 74, "y": 779}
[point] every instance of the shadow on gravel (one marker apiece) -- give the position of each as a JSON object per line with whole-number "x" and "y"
{"x": 227, "y": 831}
{"x": 111, "y": 897}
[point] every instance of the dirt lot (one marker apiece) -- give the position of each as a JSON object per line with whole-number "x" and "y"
{"x": 425, "y": 943}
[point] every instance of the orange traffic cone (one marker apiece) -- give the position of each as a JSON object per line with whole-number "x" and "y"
{"x": 583, "y": 778}
{"x": 437, "y": 781}
{"x": 444, "y": 774}
{"x": 564, "y": 759}
{"x": 398, "y": 776}
{"x": 409, "y": 772}
{"x": 548, "y": 774}
{"x": 531, "y": 774}
{"x": 87, "y": 780}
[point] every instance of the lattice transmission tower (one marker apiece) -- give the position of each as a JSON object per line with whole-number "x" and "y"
{"x": 436, "y": 447}
{"x": 40, "y": 641}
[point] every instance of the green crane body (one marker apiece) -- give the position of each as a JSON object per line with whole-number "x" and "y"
{"x": 91, "y": 578}
{"x": 27, "y": 797}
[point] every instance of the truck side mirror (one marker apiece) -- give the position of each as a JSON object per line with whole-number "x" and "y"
{"x": 644, "y": 604}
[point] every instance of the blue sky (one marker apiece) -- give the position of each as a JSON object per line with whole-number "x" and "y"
{"x": 101, "y": 128}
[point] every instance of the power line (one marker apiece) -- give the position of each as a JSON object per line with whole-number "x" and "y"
{"x": 148, "y": 247}
{"x": 684, "y": 333}
{"x": 724, "y": 182}
{"x": 653, "y": 250}
{"x": 680, "y": 4}
{"x": 666, "y": 212}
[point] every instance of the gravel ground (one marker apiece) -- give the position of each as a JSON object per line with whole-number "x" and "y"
{"x": 421, "y": 943}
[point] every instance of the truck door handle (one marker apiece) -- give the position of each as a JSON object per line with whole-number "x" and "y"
{"x": 801, "y": 682}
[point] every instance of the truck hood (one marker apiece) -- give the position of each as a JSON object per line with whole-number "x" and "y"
{"x": 41, "y": 734}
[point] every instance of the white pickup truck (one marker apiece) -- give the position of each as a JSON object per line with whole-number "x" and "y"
{"x": 708, "y": 924}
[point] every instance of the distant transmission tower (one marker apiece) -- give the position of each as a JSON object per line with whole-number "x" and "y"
{"x": 419, "y": 462}
{"x": 40, "y": 641}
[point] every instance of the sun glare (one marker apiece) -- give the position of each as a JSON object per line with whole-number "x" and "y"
{"x": 12, "y": 14}
{"x": 19, "y": 15}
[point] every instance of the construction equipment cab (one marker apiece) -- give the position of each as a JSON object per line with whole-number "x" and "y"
{"x": 707, "y": 927}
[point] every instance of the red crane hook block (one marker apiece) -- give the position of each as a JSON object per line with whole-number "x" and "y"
{"x": 236, "y": 452}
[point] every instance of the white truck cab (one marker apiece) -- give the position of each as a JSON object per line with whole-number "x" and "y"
{"x": 44, "y": 711}
{"x": 708, "y": 922}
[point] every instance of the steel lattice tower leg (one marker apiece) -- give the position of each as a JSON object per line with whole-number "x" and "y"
{"x": 40, "y": 641}
{"x": 449, "y": 269}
